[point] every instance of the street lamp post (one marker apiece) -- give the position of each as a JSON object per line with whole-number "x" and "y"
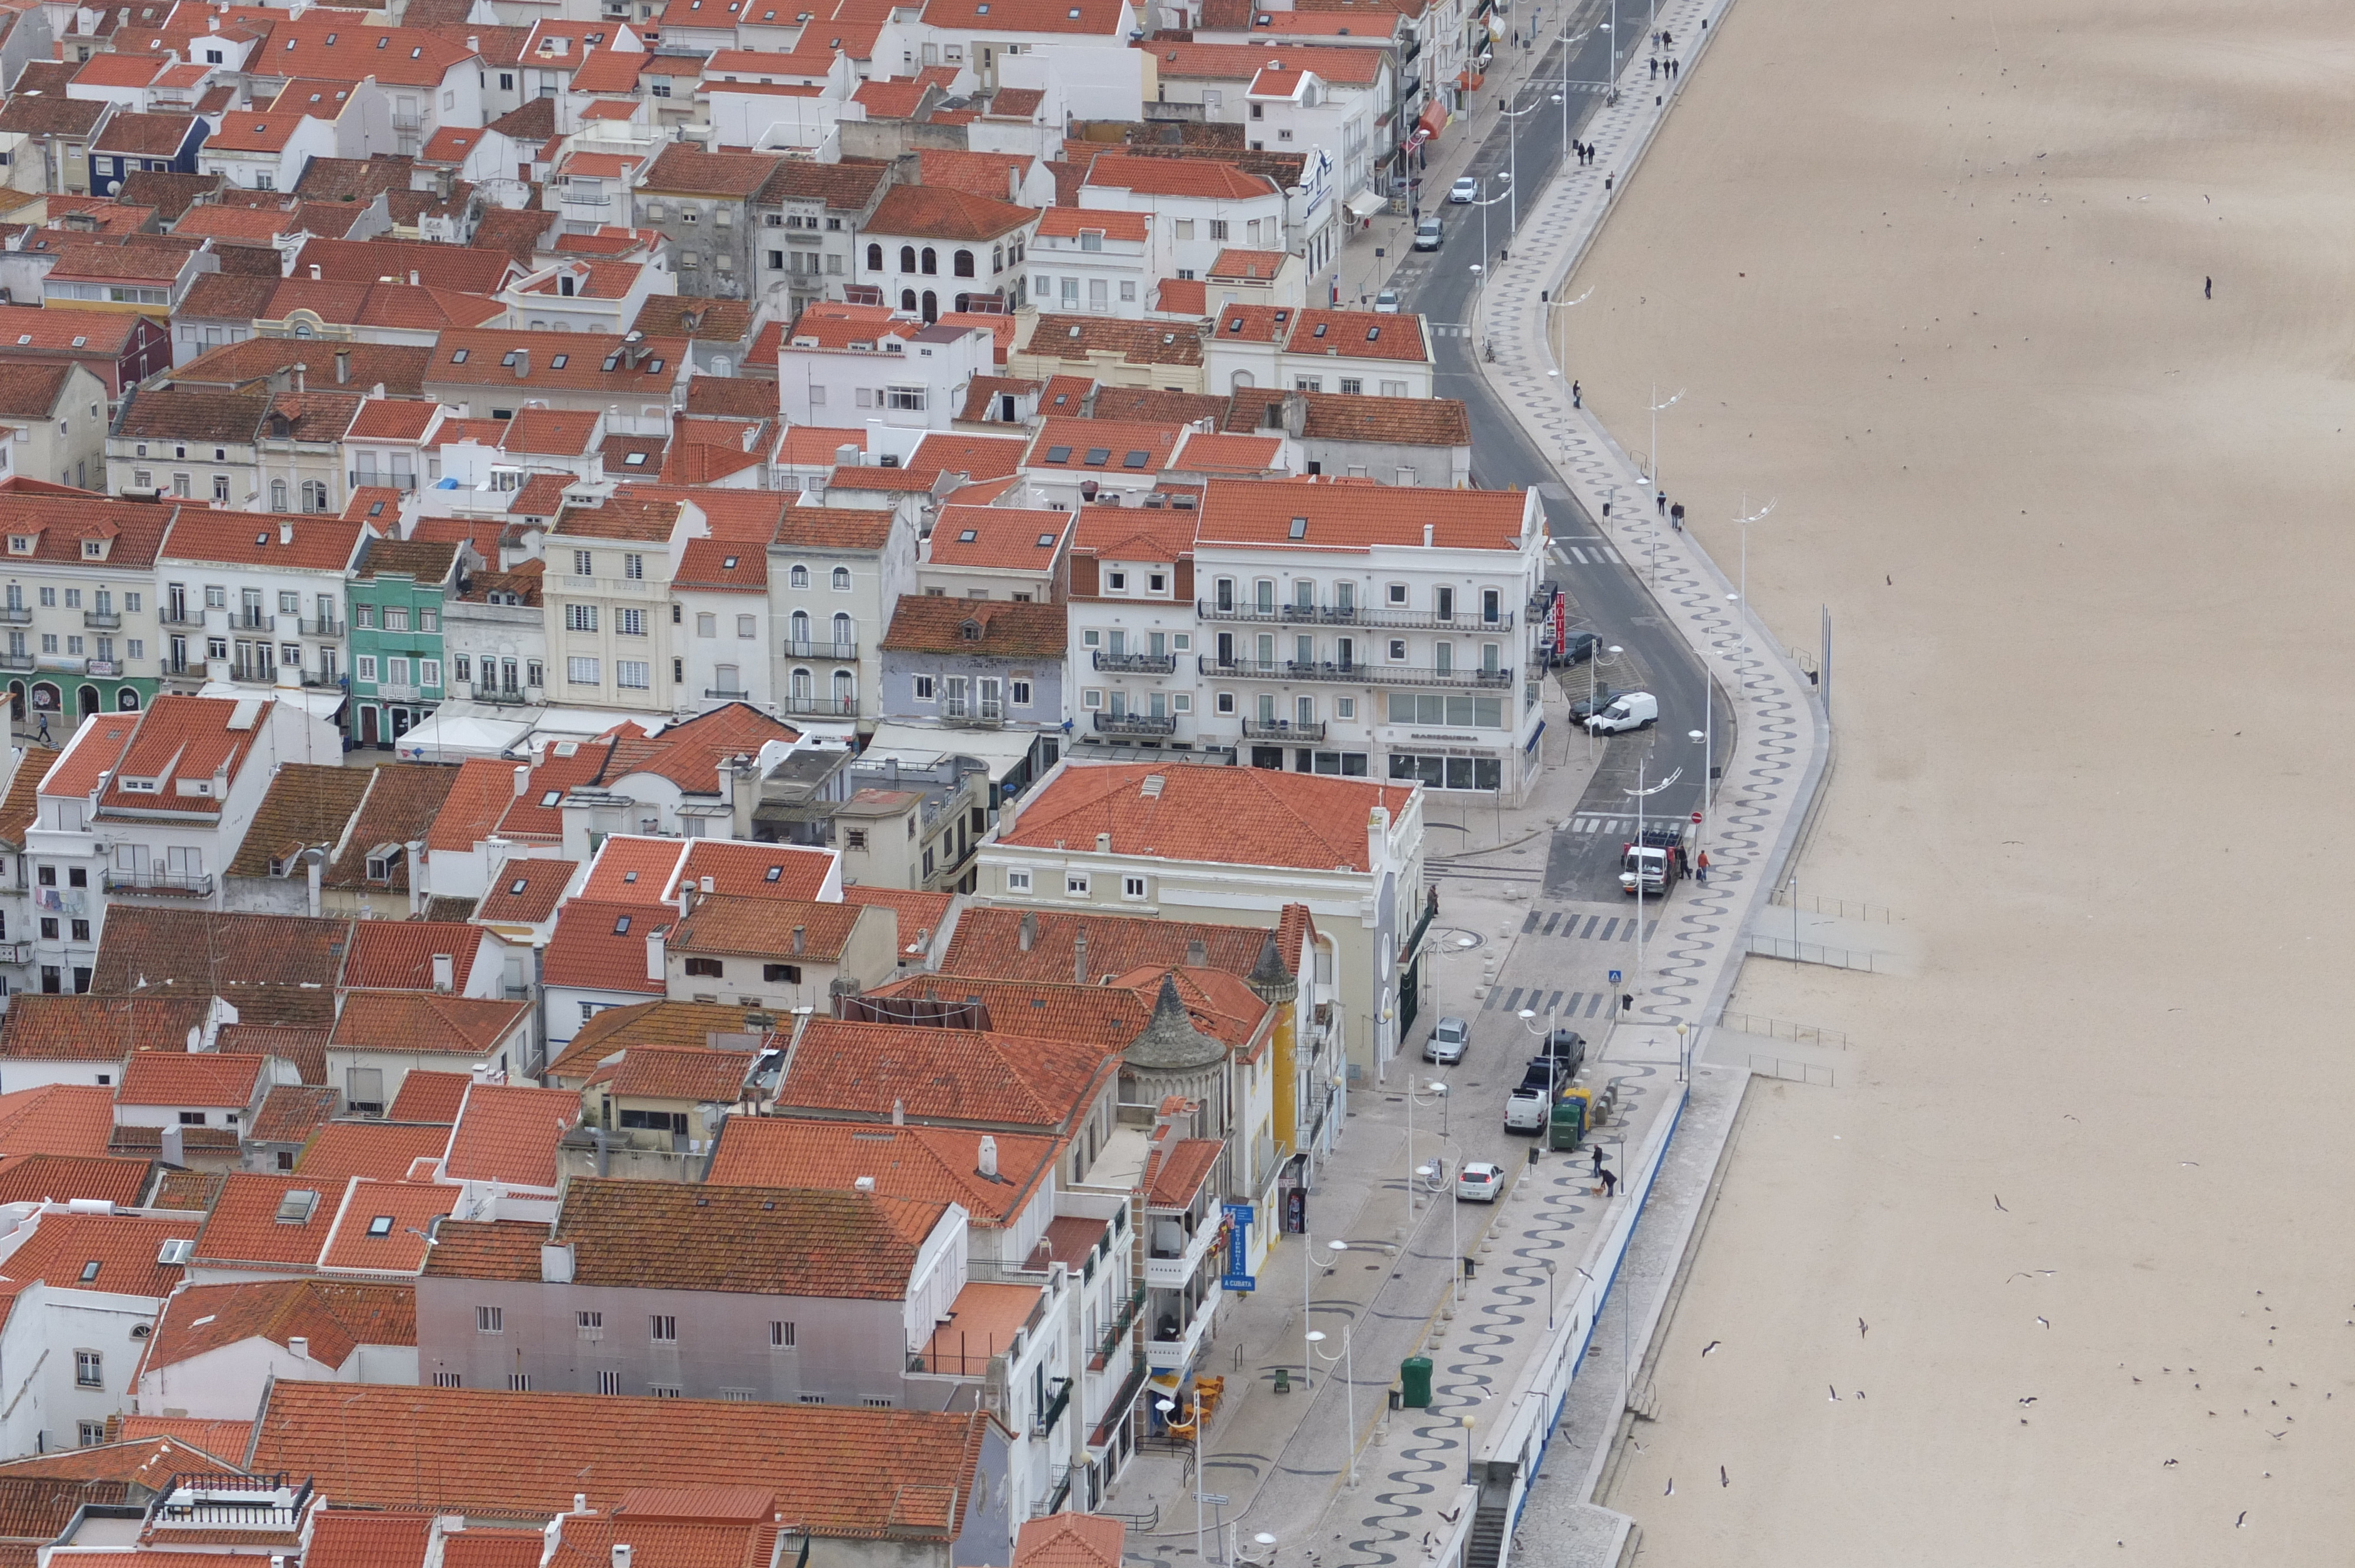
{"x": 1307, "y": 1285}
{"x": 1652, "y": 553}
{"x": 1549, "y": 1268}
{"x": 1684, "y": 1063}
{"x": 1169, "y": 1407}
{"x": 1468, "y": 1478}
{"x": 1641, "y": 793}
{"x": 1512, "y": 119}
{"x": 1349, "y": 1399}
{"x": 1701, "y": 738}
{"x": 1594, "y": 660}
{"x": 1758, "y": 516}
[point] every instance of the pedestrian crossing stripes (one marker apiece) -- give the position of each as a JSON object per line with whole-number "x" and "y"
{"x": 1579, "y": 1003}
{"x": 1592, "y": 929}
{"x": 1584, "y": 823}
{"x": 1594, "y": 555}
{"x": 1444, "y": 330}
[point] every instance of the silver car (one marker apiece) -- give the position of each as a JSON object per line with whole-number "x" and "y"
{"x": 1449, "y": 1038}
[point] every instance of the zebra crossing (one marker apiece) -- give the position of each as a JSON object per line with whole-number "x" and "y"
{"x": 1592, "y": 555}
{"x": 1573, "y": 927}
{"x": 1581, "y": 1003}
{"x": 1449, "y": 329}
{"x": 1587, "y": 823}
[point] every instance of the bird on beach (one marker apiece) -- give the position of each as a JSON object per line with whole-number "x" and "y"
{"x": 1722, "y": 1479}
{"x": 1710, "y": 1346}
{"x": 2241, "y": 1520}
{"x": 1672, "y": 1487}
{"x": 2030, "y": 1399}
{"x": 1862, "y": 1328}
{"x": 2046, "y": 1321}
{"x": 1835, "y": 1394}
{"x": 1998, "y": 1203}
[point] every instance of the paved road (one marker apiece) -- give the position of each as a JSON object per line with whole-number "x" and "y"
{"x": 1604, "y": 585}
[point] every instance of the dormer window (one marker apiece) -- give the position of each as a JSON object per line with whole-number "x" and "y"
{"x": 94, "y": 549}
{"x": 970, "y": 631}
{"x": 20, "y": 544}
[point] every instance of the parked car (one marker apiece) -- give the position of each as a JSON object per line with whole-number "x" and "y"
{"x": 1449, "y": 1038}
{"x": 1478, "y": 1182}
{"x": 1633, "y": 710}
{"x": 1604, "y": 696}
{"x": 1427, "y": 234}
{"x": 1466, "y": 189}
{"x": 1577, "y": 647}
{"x": 1387, "y": 302}
{"x": 1566, "y": 1050}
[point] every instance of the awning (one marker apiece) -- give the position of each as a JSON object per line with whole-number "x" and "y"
{"x": 319, "y": 702}
{"x": 447, "y": 736}
{"x": 1364, "y": 204}
{"x": 922, "y": 745}
{"x": 1433, "y": 120}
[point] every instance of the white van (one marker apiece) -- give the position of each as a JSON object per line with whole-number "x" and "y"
{"x": 1634, "y": 710}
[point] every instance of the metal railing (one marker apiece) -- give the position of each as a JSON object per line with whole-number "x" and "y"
{"x": 499, "y": 694}
{"x": 375, "y": 481}
{"x": 16, "y": 615}
{"x": 727, "y": 695}
{"x": 18, "y": 663}
{"x": 101, "y": 620}
{"x": 182, "y": 616}
{"x": 1838, "y": 908}
{"x": 197, "y": 884}
{"x": 1281, "y": 729}
{"x": 1782, "y": 1029}
{"x": 820, "y": 707}
{"x": 1355, "y": 674}
{"x": 809, "y": 648}
{"x": 1135, "y": 724}
{"x": 1137, "y": 664}
{"x": 973, "y": 715}
{"x": 1330, "y": 615}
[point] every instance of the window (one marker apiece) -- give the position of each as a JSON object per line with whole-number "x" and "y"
{"x": 590, "y": 1324}
{"x": 364, "y": 666}
{"x": 1019, "y": 691}
{"x": 89, "y": 1370}
{"x": 799, "y": 576}
{"x": 581, "y": 618}
{"x": 582, "y": 672}
{"x": 664, "y": 1329}
{"x": 1018, "y": 881}
{"x": 428, "y": 670}
{"x": 854, "y": 838}
{"x": 1132, "y": 887}
{"x": 665, "y": 1390}
{"x": 381, "y": 1225}
{"x": 518, "y": 1382}
{"x": 631, "y": 622}
{"x": 780, "y": 1335}
{"x": 90, "y": 1434}
{"x": 634, "y": 567}
{"x": 580, "y": 564}
{"x": 396, "y": 618}
{"x": 1075, "y": 885}
{"x": 711, "y": 967}
{"x": 841, "y": 579}
{"x": 609, "y": 1383}
{"x": 449, "y": 1380}
{"x": 634, "y": 674}
{"x": 490, "y": 1319}
{"x": 781, "y": 974}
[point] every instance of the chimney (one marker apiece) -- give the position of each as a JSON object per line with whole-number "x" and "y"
{"x": 444, "y": 971}
{"x": 299, "y": 1347}
{"x": 1030, "y": 930}
{"x": 474, "y": 43}
{"x": 1198, "y": 956}
{"x": 801, "y": 937}
{"x": 301, "y": 372}
{"x": 620, "y": 1554}
{"x": 864, "y": 1183}
{"x": 898, "y": 1113}
{"x": 1079, "y": 958}
{"x": 523, "y": 372}
{"x": 655, "y": 958}
{"x": 413, "y": 277}
{"x": 988, "y": 1165}
{"x": 845, "y": 456}
{"x": 1014, "y": 184}
{"x": 413, "y": 854}
{"x": 343, "y": 365}
{"x": 315, "y": 271}
{"x": 174, "y": 1151}
{"x": 311, "y": 883}
{"x": 286, "y": 530}
{"x": 522, "y": 779}
{"x": 1103, "y": 843}
{"x": 1426, "y": 535}
{"x": 709, "y": 886}
{"x": 480, "y": 1072}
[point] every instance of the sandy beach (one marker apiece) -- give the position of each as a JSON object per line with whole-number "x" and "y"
{"x": 2058, "y": 1271}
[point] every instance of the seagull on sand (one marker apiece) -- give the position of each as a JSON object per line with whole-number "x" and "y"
{"x": 1710, "y": 1346}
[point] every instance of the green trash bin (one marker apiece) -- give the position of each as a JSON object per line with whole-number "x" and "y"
{"x": 1414, "y": 1381}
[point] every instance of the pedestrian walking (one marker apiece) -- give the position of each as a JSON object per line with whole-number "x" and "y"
{"x": 1668, "y": 40}
{"x": 1660, "y": 502}
{"x": 1676, "y": 516}
{"x": 2208, "y": 290}
{"x": 1654, "y": 64}
{"x": 1574, "y": 397}
{"x": 1610, "y": 1183}
{"x": 1701, "y": 867}
{"x": 1598, "y": 1158}
{"x": 44, "y": 736}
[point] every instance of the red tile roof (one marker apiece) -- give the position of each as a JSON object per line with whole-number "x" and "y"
{"x": 673, "y": 1025}
{"x": 309, "y": 543}
{"x": 766, "y": 927}
{"x": 62, "y": 1177}
{"x": 745, "y": 870}
{"x": 176, "y": 1078}
{"x": 362, "y": 1240}
{"x": 350, "y": 1538}
{"x": 337, "y": 1318}
{"x": 838, "y": 1473}
{"x": 944, "y": 1075}
{"x": 1068, "y": 1541}
{"x": 933, "y": 1164}
{"x": 58, "y": 1118}
{"x": 657, "y": 1072}
{"x": 1358, "y": 517}
{"x": 290, "y": 1113}
{"x": 387, "y": 1151}
{"x": 224, "y": 1440}
{"x": 37, "y": 1028}
{"x": 63, "y": 1248}
{"x": 1070, "y": 222}
{"x": 925, "y": 212}
{"x": 417, "y": 1022}
{"x": 508, "y": 1134}
{"x": 1198, "y": 177}
{"x": 428, "y": 1096}
{"x": 602, "y": 947}
{"x": 399, "y": 954}
{"x": 525, "y": 891}
{"x": 1241, "y": 816}
{"x": 1102, "y": 447}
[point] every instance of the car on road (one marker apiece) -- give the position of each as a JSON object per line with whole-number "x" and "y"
{"x": 1633, "y": 710}
{"x": 1604, "y": 696}
{"x": 1566, "y": 1050}
{"x": 1449, "y": 1038}
{"x": 1427, "y": 234}
{"x": 1387, "y": 302}
{"x": 1480, "y": 1181}
{"x": 1466, "y": 189}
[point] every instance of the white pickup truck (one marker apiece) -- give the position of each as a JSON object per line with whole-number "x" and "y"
{"x": 1527, "y": 1108}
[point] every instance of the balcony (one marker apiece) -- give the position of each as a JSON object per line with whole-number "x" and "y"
{"x": 498, "y": 695}
{"x": 183, "y": 616}
{"x": 1281, "y": 729}
{"x": 1045, "y": 1425}
{"x": 1328, "y": 615}
{"x": 101, "y": 620}
{"x": 987, "y": 714}
{"x": 399, "y": 691}
{"x": 252, "y": 620}
{"x": 191, "y": 884}
{"x": 321, "y": 628}
{"x": 1356, "y": 674}
{"x": 1135, "y": 724}
{"x": 1171, "y": 1273}
{"x": 807, "y": 707}
{"x": 1178, "y": 1354}
{"x": 1136, "y": 663}
{"x": 718, "y": 695}
{"x": 593, "y": 199}
{"x": 407, "y": 122}
{"x": 18, "y": 663}
{"x": 803, "y": 648}
{"x": 16, "y": 615}
{"x": 103, "y": 667}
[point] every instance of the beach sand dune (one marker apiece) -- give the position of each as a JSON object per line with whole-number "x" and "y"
{"x": 1932, "y": 276}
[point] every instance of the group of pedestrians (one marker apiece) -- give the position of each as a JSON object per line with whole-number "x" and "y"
{"x": 1584, "y": 152}
{"x": 1675, "y": 514}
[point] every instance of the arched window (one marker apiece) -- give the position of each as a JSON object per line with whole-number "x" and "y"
{"x": 846, "y": 693}
{"x": 278, "y": 495}
{"x": 932, "y": 311}
{"x": 802, "y": 687}
{"x": 842, "y": 633}
{"x": 964, "y": 263}
{"x": 127, "y": 700}
{"x": 799, "y": 629}
{"x": 800, "y": 577}
{"x": 907, "y": 258}
{"x": 1243, "y": 379}
{"x": 908, "y": 301}
{"x": 315, "y": 495}
{"x": 722, "y": 366}
{"x": 842, "y": 580}
{"x": 875, "y": 258}
{"x": 932, "y": 261}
